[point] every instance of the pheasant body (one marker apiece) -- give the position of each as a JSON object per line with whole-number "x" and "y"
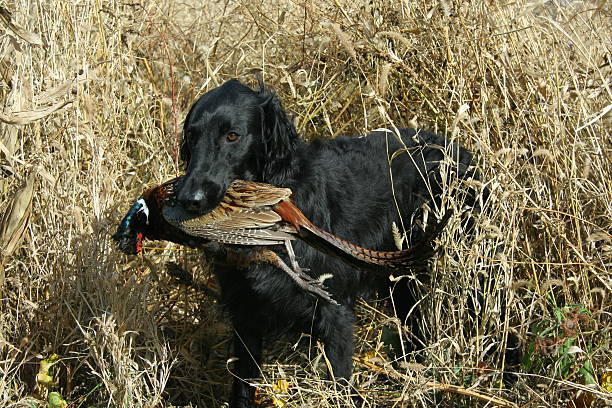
{"x": 239, "y": 219}
{"x": 354, "y": 254}
{"x": 254, "y": 213}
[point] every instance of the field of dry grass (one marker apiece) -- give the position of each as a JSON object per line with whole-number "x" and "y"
{"x": 93, "y": 96}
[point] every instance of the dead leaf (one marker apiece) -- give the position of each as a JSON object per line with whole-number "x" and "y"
{"x": 581, "y": 399}
{"x": 25, "y": 117}
{"x": 8, "y": 142}
{"x": 52, "y": 94}
{"x": 59, "y": 91}
{"x": 599, "y": 236}
{"x": 574, "y": 350}
{"x": 15, "y": 218}
{"x": 31, "y": 38}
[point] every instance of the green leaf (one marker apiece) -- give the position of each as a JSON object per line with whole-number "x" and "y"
{"x": 587, "y": 372}
{"x": 56, "y": 400}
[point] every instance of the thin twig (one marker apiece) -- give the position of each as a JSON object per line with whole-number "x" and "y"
{"x": 456, "y": 389}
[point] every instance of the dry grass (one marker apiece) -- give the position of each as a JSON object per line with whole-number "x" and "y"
{"x": 93, "y": 98}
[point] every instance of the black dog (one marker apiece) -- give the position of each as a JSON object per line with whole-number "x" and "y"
{"x": 343, "y": 185}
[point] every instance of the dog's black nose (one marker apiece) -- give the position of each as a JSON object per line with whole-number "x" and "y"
{"x": 199, "y": 198}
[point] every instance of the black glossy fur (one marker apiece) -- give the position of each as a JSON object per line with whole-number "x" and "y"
{"x": 343, "y": 185}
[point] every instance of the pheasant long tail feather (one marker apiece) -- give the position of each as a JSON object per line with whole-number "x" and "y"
{"x": 355, "y": 254}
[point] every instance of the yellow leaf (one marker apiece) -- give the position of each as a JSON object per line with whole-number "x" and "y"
{"x": 277, "y": 401}
{"x": 45, "y": 375}
{"x": 280, "y": 388}
{"x": 606, "y": 380}
{"x": 368, "y": 355}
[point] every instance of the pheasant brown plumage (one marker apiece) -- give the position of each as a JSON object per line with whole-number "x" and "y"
{"x": 260, "y": 214}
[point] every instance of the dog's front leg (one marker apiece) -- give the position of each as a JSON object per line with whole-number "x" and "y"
{"x": 334, "y": 328}
{"x": 248, "y": 350}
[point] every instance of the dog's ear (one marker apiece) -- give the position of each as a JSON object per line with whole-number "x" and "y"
{"x": 260, "y": 80}
{"x": 184, "y": 152}
{"x": 280, "y": 138}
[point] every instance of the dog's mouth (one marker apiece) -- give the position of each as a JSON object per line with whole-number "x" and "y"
{"x": 175, "y": 213}
{"x": 190, "y": 211}
{"x": 197, "y": 201}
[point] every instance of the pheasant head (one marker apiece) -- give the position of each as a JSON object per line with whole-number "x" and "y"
{"x": 144, "y": 219}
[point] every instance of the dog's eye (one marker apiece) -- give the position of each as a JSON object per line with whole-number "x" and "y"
{"x": 232, "y": 136}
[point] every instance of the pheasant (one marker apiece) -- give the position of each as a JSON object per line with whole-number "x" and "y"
{"x": 256, "y": 214}
{"x": 144, "y": 219}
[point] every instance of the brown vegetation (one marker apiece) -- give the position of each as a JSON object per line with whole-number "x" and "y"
{"x": 93, "y": 96}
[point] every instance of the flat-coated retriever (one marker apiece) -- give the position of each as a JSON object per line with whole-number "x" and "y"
{"x": 354, "y": 187}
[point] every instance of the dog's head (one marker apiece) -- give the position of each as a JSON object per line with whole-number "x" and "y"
{"x": 231, "y": 132}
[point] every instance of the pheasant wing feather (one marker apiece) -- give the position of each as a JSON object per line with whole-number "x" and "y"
{"x": 245, "y": 236}
{"x": 245, "y": 216}
{"x": 247, "y": 228}
{"x": 250, "y": 194}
